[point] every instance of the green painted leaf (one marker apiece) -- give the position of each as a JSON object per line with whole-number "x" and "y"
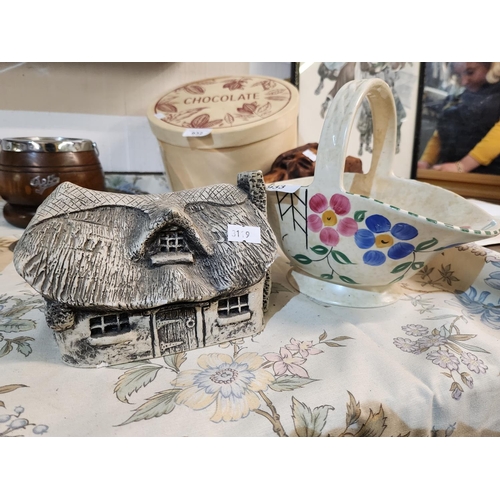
{"x": 5, "y": 349}
{"x": 323, "y": 336}
{"x": 288, "y": 383}
{"x": 417, "y": 265}
{"x": 160, "y": 404}
{"x": 307, "y": 422}
{"x": 24, "y": 348}
{"x": 16, "y": 312}
{"x": 303, "y": 259}
{"x": 353, "y": 411}
{"x": 22, "y": 339}
{"x": 319, "y": 249}
{"x": 346, "y": 279}
{"x": 127, "y": 366}
{"x": 462, "y": 336}
{"x": 342, "y": 337}
{"x": 340, "y": 257}
{"x": 135, "y": 378}
{"x": 401, "y": 267}
{"x": 444, "y": 316}
{"x": 2, "y": 404}
{"x": 333, "y": 344}
{"x": 359, "y": 215}
{"x": 327, "y": 276}
{"x": 425, "y": 245}
{"x": 454, "y": 347}
{"x": 174, "y": 361}
{"x": 9, "y": 388}
{"x": 469, "y": 347}
{"x": 399, "y": 278}
{"x": 18, "y": 325}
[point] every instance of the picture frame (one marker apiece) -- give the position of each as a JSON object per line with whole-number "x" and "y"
{"x": 438, "y": 83}
{"x": 318, "y": 83}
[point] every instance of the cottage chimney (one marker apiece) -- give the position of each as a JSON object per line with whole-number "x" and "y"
{"x": 253, "y": 184}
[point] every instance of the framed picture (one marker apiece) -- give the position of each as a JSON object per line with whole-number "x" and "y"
{"x": 318, "y": 83}
{"x": 442, "y": 84}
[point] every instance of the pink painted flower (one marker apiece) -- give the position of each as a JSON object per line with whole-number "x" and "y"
{"x": 304, "y": 348}
{"x": 340, "y": 204}
{"x": 285, "y": 362}
{"x": 325, "y": 219}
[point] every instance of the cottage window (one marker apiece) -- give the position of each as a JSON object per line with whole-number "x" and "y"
{"x": 233, "y": 306}
{"x": 170, "y": 248}
{"x": 109, "y": 325}
{"x": 171, "y": 241}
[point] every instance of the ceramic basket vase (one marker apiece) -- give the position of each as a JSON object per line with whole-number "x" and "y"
{"x": 350, "y": 237}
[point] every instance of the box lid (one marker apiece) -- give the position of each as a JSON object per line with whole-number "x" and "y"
{"x": 237, "y": 109}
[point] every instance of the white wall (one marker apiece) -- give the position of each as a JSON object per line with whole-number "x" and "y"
{"x": 104, "y": 102}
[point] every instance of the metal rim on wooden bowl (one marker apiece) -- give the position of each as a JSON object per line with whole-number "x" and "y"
{"x": 47, "y": 145}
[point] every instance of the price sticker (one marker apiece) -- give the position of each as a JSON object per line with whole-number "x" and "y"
{"x": 196, "y": 132}
{"x": 283, "y": 188}
{"x": 249, "y": 234}
{"x": 309, "y": 154}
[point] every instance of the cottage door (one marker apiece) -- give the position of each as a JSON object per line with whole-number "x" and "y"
{"x": 176, "y": 330}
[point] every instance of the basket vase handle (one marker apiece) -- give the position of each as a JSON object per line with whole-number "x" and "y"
{"x": 332, "y": 148}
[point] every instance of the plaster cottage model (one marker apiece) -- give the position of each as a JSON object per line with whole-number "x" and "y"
{"x": 131, "y": 277}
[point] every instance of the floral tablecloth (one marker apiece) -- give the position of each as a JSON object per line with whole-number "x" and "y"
{"x": 427, "y": 365}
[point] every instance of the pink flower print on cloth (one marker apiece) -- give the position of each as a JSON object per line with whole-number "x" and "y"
{"x": 303, "y": 347}
{"x": 328, "y": 220}
{"x": 286, "y": 362}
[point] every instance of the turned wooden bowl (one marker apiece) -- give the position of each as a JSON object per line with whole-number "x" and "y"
{"x": 32, "y": 167}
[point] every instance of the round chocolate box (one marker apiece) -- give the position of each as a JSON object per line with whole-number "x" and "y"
{"x": 210, "y": 130}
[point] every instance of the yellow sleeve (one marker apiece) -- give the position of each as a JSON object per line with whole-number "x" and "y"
{"x": 431, "y": 152}
{"x": 488, "y": 148}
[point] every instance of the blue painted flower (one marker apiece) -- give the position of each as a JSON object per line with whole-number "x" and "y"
{"x": 488, "y": 311}
{"x": 381, "y": 234}
{"x": 493, "y": 279}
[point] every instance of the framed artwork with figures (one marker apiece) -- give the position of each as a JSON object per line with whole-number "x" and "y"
{"x": 443, "y": 88}
{"x": 319, "y": 82}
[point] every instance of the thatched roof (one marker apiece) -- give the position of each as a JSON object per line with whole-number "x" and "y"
{"x": 87, "y": 248}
